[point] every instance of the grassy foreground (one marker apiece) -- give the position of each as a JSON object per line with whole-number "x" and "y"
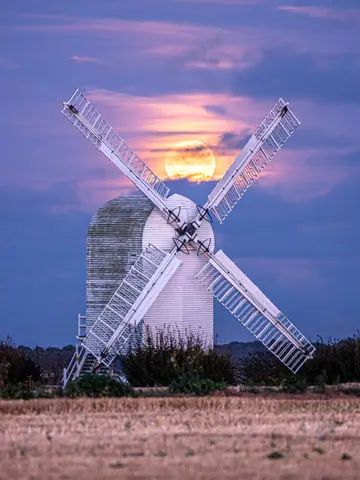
{"x": 216, "y": 437}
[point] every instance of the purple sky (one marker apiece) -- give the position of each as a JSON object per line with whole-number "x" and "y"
{"x": 164, "y": 71}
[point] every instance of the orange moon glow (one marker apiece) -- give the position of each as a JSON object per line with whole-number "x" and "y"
{"x": 190, "y": 159}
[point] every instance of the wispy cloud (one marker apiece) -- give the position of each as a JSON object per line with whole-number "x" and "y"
{"x": 79, "y": 59}
{"x": 167, "y": 57}
{"x": 342, "y": 15}
{"x": 154, "y": 125}
{"x": 301, "y": 174}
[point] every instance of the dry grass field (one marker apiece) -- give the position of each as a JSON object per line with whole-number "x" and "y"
{"x": 245, "y": 437}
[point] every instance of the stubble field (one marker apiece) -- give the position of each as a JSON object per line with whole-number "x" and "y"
{"x": 249, "y": 437}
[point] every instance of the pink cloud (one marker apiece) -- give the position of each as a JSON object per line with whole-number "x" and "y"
{"x": 296, "y": 175}
{"x": 153, "y": 125}
{"x": 160, "y": 122}
{"x": 323, "y": 12}
{"x": 209, "y": 45}
{"x": 78, "y": 59}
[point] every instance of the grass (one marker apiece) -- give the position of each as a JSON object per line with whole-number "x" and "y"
{"x": 207, "y": 437}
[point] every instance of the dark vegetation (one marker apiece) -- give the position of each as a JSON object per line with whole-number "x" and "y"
{"x": 335, "y": 362}
{"x": 92, "y": 385}
{"x": 162, "y": 358}
{"x": 182, "y": 366}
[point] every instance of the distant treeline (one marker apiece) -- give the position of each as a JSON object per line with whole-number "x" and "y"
{"x": 39, "y": 364}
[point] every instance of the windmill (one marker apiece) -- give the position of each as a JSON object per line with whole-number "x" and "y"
{"x": 155, "y": 267}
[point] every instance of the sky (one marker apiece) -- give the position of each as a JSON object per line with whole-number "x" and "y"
{"x": 162, "y": 72}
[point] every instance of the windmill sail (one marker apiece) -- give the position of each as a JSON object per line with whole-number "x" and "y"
{"x": 233, "y": 289}
{"x": 81, "y": 113}
{"x": 135, "y": 295}
{"x": 269, "y": 137}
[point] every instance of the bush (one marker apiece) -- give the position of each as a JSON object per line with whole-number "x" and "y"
{"x": 337, "y": 361}
{"x": 94, "y": 385}
{"x": 160, "y": 358}
{"x": 18, "y": 372}
{"x": 193, "y": 385}
{"x": 293, "y": 384}
{"x": 51, "y": 361}
{"x": 263, "y": 368}
{"x": 17, "y": 392}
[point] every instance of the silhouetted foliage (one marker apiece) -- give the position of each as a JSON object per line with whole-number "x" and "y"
{"x": 161, "y": 357}
{"x": 17, "y": 370}
{"x": 337, "y": 361}
{"x": 194, "y": 385}
{"x": 165, "y": 358}
{"x": 51, "y": 360}
{"x": 94, "y": 385}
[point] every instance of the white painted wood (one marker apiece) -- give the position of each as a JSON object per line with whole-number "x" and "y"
{"x": 184, "y": 304}
{"x": 250, "y": 286}
{"x": 269, "y": 137}
{"x": 118, "y": 232}
{"x": 85, "y": 117}
{"x": 127, "y": 307}
{"x": 255, "y": 311}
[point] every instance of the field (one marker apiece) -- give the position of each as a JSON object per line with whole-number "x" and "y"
{"x": 245, "y": 437}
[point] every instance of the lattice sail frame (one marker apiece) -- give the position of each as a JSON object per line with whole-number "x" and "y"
{"x": 240, "y": 296}
{"x": 86, "y": 118}
{"x": 268, "y": 139}
{"x": 133, "y": 298}
{"x": 228, "y": 284}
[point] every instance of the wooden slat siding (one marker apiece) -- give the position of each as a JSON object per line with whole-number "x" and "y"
{"x": 114, "y": 241}
{"x": 184, "y": 303}
{"x": 117, "y": 234}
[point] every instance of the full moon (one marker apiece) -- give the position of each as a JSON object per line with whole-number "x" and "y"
{"x": 190, "y": 159}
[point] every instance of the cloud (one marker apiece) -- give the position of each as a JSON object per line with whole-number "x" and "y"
{"x": 143, "y": 120}
{"x": 342, "y": 15}
{"x": 318, "y": 137}
{"x": 60, "y": 197}
{"x": 78, "y": 59}
{"x": 302, "y": 76}
{"x": 300, "y": 175}
{"x": 215, "y": 109}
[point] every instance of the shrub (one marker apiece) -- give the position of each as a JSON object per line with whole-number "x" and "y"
{"x": 337, "y": 361}
{"x": 263, "y": 368}
{"x": 294, "y": 384}
{"x": 160, "y": 358}
{"x": 17, "y": 392}
{"x": 94, "y": 385}
{"x": 51, "y": 361}
{"x": 194, "y": 385}
{"x": 18, "y": 372}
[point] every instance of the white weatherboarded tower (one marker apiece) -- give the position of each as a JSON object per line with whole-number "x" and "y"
{"x": 170, "y": 254}
{"x": 117, "y": 234}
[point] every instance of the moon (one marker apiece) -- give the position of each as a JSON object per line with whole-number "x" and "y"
{"x": 190, "y": 159}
